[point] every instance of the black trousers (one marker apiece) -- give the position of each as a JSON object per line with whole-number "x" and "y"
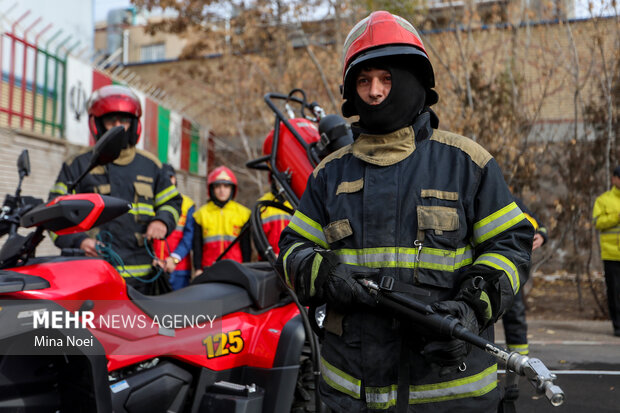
{"x": 612, "y": 280}
{"x": 515, "y": 325}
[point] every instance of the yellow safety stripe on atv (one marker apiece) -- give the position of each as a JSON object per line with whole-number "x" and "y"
{"x": 523, "y": 349}
{"x": 308, "y": 229}
{"x": 59, "y": 188}
{"x": 340, "y": 380}
{"x": 402, "y": 257}
{"x": 166, "y": 195}
{"x": 284, "y": 262}
{"x": 497, "y": 222}
{"x": 499, "y": 262}
{"x": 316, "y": 264}
{"x": 142, "y": 209}
{"x": 134, "y": 270}
{"x": 174, "y": 212}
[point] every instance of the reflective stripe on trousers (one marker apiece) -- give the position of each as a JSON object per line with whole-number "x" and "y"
{"x": 385, "y": 397}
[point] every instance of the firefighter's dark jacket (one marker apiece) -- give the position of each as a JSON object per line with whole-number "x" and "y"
{"x": 136, "y": 176}
{"x": 427, "y": 212}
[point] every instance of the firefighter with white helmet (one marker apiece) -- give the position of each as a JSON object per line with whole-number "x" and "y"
{"x": 135, "y": 176}
{"x": 427, "y": 209}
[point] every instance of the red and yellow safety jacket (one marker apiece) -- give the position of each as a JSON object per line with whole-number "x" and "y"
{"x": 215, "y": 229}
{"x": 164, "y": 248}
{"x": 274, "y": 221}
{"x": 606, "y": 216}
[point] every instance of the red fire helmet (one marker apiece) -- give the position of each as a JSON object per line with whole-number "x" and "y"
{"x": 222, "y": 175}
{"x": 113, "y": 99}
{"x": 383, "y": 34}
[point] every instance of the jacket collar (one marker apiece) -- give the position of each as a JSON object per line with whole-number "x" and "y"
{"x": 391, "y": 148}
{"x": 385, "y": 150}
{"x": 615, "y": 191}
{"x": 126, "y": 156}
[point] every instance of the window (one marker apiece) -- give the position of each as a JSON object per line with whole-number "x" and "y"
{"x": 152, "y": 52}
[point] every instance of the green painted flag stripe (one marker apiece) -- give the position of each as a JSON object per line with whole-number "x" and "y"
{"x": 163, "y": 131}
{"x": 194, "y": 149}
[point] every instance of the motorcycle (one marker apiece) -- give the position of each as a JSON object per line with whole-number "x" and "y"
{"x": 76, "y": 338}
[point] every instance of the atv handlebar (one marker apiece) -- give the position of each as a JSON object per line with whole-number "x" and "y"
{"x": 448, "y": 326}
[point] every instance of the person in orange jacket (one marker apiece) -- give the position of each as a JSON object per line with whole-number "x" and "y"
{"x": 174, "y": 251}
{"x": 220, "y": 221}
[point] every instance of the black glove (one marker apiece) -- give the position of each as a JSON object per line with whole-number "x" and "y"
{"x": 452, "y": 352}
{"x": 337, "y": 285}
{"x": 473, "y": 292}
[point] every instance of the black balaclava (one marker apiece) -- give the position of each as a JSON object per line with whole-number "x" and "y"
{"x": 130, "y": 137}
{"x": 217, "y": 201}
{"x": 400, "y": 108}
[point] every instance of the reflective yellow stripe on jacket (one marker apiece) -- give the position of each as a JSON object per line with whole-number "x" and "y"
{"x": 384, "y": 397}
{"x": 286, "y": 275}
{"x": 134, "y": 270}
{"x": 308, "y": 229}
{"x": 59, "y": 188}
{"x": 402, "y": 257}
{"x": 165, "y": 195}
{"x": 497, "y": 222}
{"x": 499, "y": 262}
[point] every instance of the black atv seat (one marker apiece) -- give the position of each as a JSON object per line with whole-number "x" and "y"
{"x": 204, "y": 299}
{"x": 257, "y": 278}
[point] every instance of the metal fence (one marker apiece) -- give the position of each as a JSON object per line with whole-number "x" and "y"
{"x": 32, "y": 88}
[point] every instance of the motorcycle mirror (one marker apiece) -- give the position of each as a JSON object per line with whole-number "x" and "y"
{"x": 23, "y": 164}
{"x": 106, "y": 150}
{"x": 108, "y": 147}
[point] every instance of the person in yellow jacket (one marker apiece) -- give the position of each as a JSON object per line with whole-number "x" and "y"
{"x": 219, "y": 222}
{"x": 606, "y": 216}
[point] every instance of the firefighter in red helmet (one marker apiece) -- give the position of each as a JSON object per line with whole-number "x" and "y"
{"x": 135, "y": 176}
{"x": 220, "y": 221}
{"x": 426, "y": 208}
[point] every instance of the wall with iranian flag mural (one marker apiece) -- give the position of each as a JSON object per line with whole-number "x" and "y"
{"x": 166, "y": 133}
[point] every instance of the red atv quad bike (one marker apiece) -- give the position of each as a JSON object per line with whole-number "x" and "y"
{"x": 75, "y": 338}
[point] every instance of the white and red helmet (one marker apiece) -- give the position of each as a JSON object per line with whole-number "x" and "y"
{"x": 114, "y": 99}
{"x": 222, "y": 175}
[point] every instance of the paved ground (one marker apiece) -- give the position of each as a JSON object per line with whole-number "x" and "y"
{"x": 586, "y": 358}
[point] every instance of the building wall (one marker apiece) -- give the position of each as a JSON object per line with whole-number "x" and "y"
{"x": 137, "y": 39}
